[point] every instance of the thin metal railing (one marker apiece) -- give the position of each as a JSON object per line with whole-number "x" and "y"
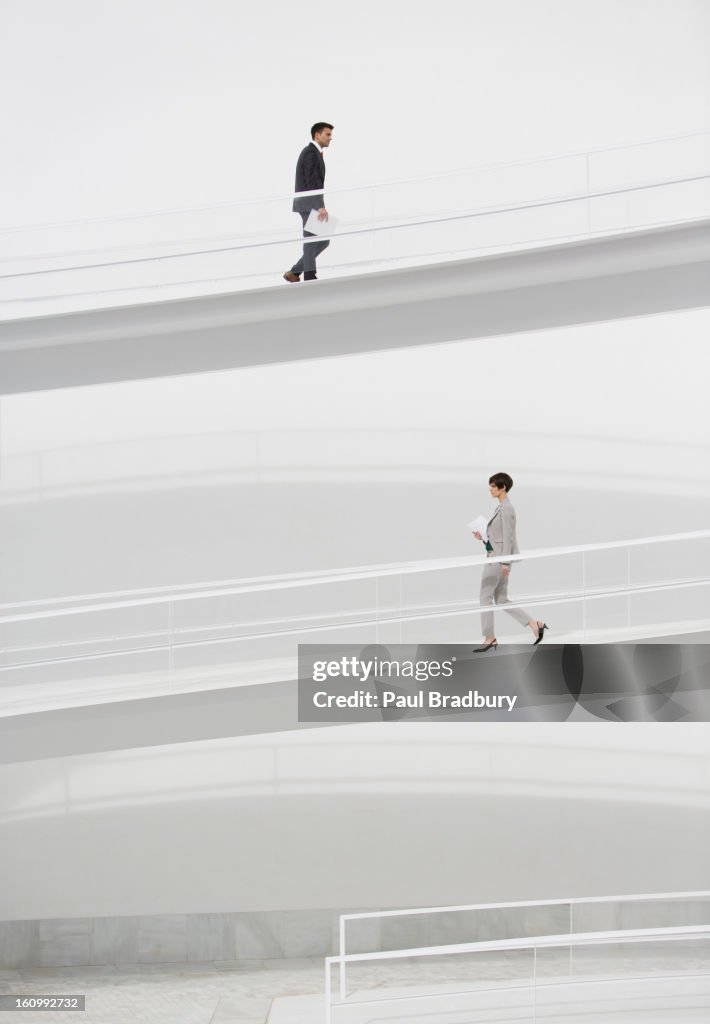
{"x": 112, "y": 600}
{"x": 285, "y": 197}
{"x": 298, "y": 626}
{"x": 343, "y": 958}
{"x": 369, "y": 230}
{"x": 580, "y": 939}
{"x": 117, "y": 644}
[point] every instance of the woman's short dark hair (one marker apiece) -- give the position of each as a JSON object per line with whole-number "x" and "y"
{"x": 318, "y": 127}
{"x": 501, "y": 480}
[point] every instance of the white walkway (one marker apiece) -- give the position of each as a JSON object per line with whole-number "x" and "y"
{"x": 291, "y": 992}
{"x": 630, "y": 274}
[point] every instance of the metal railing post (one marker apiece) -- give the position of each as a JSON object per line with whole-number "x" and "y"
{"x": 327, "y": 991}
{"x": 341, "y": 966}
{"x": 170, "y": 637}
{"x": 400, "y": 607}
{"x": 377, "y": 609}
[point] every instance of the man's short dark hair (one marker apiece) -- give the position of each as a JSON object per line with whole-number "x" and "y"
{"x": 501, "y": 480}
{"x": 318, "y": 127}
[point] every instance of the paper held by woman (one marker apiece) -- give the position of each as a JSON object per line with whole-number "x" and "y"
{"x": 479, "y": 525}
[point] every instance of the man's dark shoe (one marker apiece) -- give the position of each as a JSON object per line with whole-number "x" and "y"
{"x": 290, "y": 276}
{"x": 310, "y": 275}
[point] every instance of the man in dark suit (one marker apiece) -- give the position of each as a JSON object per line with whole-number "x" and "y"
{"x": 310, "y": 175}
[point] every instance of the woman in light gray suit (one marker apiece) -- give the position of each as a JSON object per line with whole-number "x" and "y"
{"x": 502, "y": 540}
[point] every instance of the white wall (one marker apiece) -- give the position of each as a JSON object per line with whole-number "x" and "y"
{"x": 359, "y": 816}
{"x": 118, "y": 107}
{"x": 356, "y": 460}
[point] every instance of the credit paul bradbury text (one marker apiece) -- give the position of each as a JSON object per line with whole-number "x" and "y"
{"x": 555, "y": 683}
{"x": 420, "y": 699}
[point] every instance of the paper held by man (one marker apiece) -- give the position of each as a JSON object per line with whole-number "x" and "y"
{"x": 320, "y": 227}
{"x": 479, "y": 525}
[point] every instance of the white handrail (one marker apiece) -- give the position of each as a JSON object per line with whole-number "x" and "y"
{"x": 112, "y": 600}
{"x": 571, "y": 900}
{"x": 347, "y": 265}
{"x": 392, "y": 226}
{"x": 295, "y": 627}
{"x": 510, "y": 905}
{"x": 289, "y": 196}
{"x": 551, "y": 941}
{"x": 481, "y": 211}
{"x": 599, "y": 938}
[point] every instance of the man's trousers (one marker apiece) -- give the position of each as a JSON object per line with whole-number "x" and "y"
{"x": 307, "y": 262}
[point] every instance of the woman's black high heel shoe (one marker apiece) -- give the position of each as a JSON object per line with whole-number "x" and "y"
{"x": 486, "y": 647}
{"x": 540, "y": 633}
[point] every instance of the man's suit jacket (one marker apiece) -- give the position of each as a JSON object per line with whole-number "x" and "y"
{"x": 502, "y": 530}
{"x": 310, "y": 174}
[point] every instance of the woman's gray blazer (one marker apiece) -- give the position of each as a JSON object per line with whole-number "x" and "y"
{"x": 502, "y": 531}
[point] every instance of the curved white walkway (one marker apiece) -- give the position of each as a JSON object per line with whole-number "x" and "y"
{"x": 631, "y": 274}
